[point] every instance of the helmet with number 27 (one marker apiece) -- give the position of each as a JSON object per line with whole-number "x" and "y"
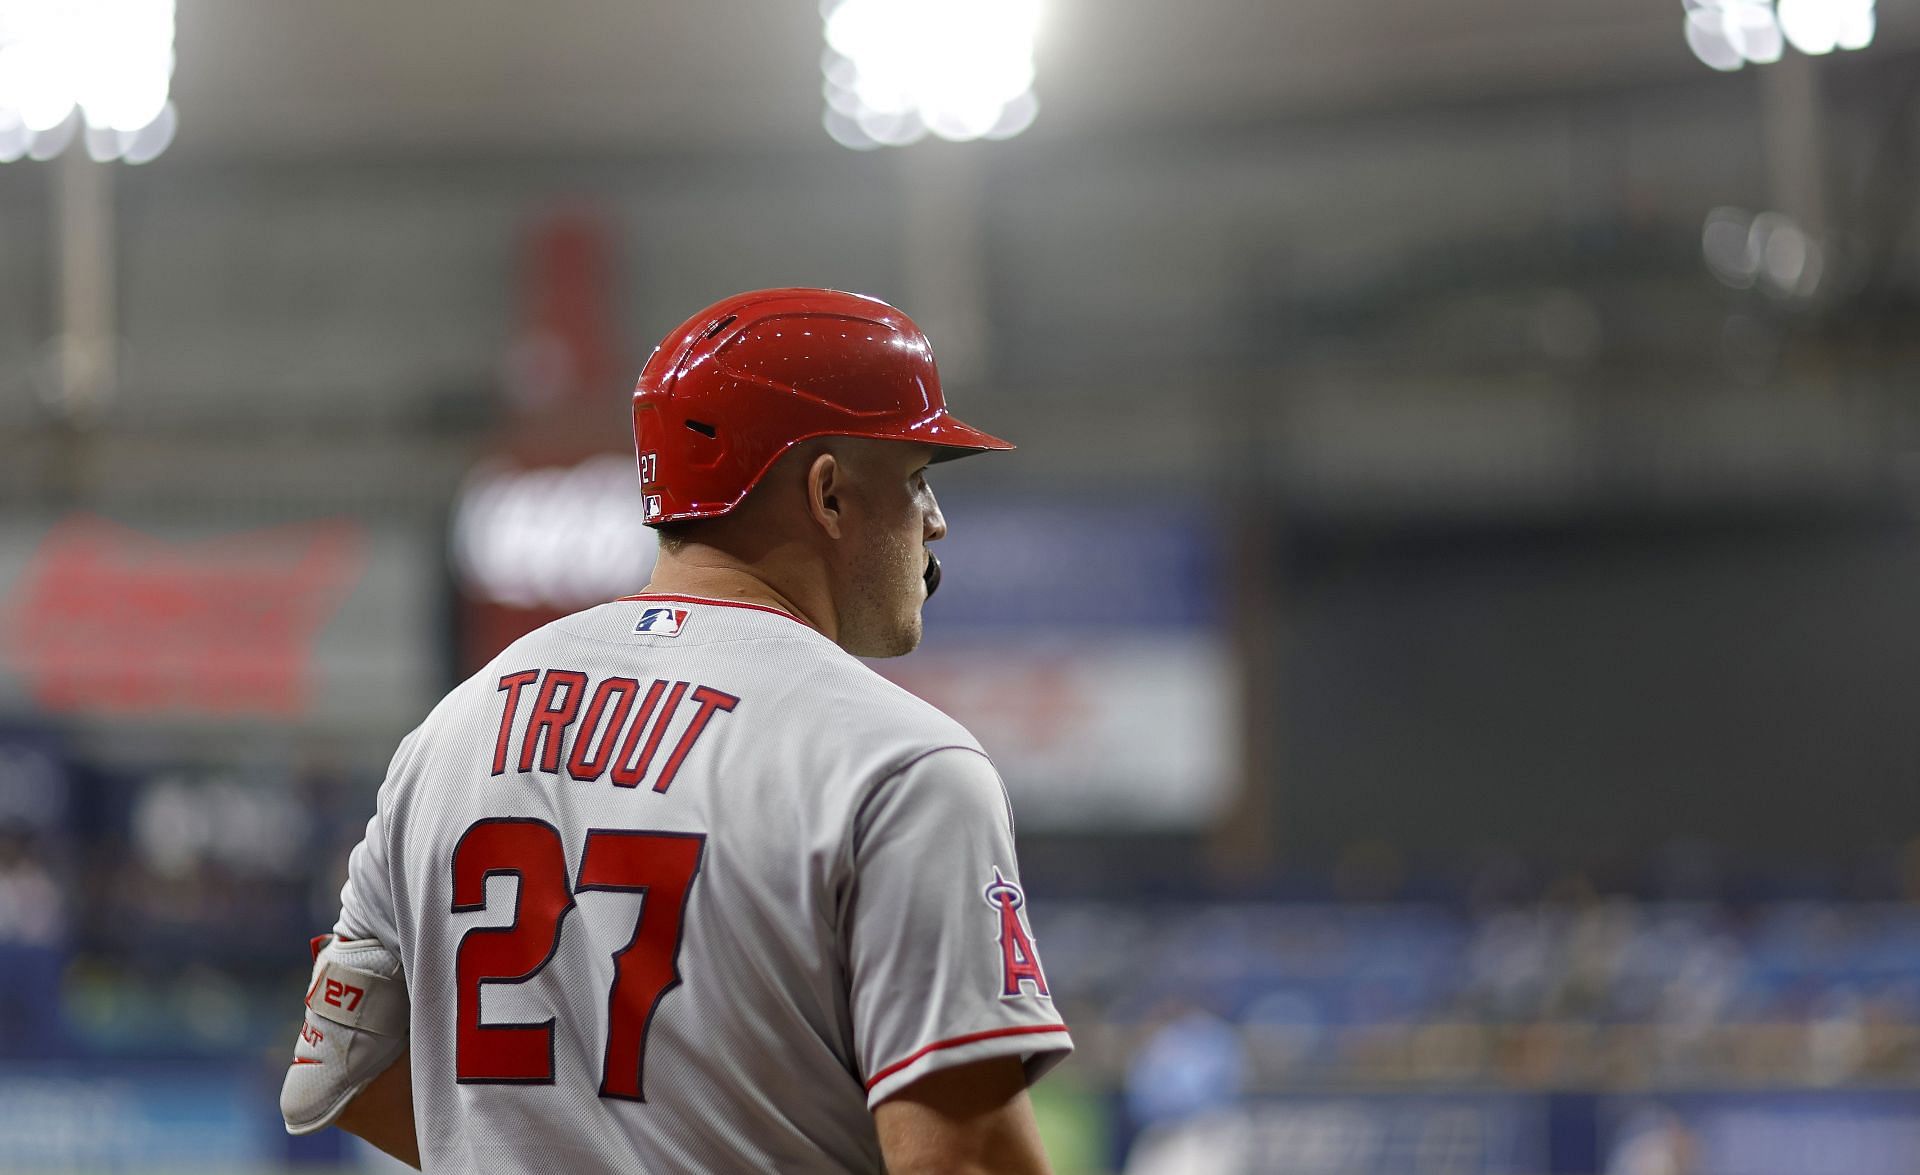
{"x": 749, "y": 377}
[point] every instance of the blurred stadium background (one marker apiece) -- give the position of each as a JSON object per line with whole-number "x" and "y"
{"x": 1452, "y": 627}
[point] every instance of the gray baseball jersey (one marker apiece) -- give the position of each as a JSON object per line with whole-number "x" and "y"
{"x": 679, "y": 885}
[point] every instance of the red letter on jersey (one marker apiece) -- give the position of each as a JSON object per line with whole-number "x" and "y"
{"x": 512, "y": 683}
{"x": 586, "y": 765}
{"x": 627, "y": 771}
{"x": 549, "y": 719}
{"x": 709, "y": 700}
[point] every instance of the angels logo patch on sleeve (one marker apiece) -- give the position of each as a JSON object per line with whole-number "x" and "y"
{"x": 1019, "y": 962}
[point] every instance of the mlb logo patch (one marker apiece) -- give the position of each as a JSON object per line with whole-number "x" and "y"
{"x": 653, "y": 507}
{"x": 662, "y": 621}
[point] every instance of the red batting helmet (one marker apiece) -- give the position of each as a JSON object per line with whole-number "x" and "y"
{"x": 748, "y": 378}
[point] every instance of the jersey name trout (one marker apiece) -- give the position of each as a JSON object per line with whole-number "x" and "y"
{"x": 616, "y": 727}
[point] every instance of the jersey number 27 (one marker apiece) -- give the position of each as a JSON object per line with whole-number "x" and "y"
{"x": 660, "y": 865}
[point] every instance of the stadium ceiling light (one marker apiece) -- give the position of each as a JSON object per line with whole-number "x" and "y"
{"x": 898, "y": 70}
{"x": 1768, "y": 251}
{"x": 102, "y": 65}
{"x": 1727, "y": 34}
{"x": 1816, "y": 27}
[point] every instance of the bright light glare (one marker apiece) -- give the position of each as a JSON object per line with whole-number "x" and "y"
{"x": 1816, "y": 27}
{"x": 1710, "y": 36}
{"x": 899, "y": 69}
{"x": 1768, "y": 250}
{"x": 551, "y": 538}
{"x": 1757, "y": 33}
{"x": 1726, "y": 34}
{"x": 111, "y": 60}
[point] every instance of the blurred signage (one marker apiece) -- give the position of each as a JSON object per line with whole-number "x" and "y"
{"x": 1842, "y": 1132}
{"x": 1380, "y": 1134}
{"x": 534, "y": 543}
{"x": 553, "y": 538}
{"x": 183, "y": 821}
{"x": 1117, "y": 730}
{"x": 34, "y": 782}
{"x": 107, "y": 619}
{"x": 1753, "y": 1132}
{"x": 332, "y": 621}
{"x": 1081, "y": 642}
{"x": 131, "y": 1118}
{"x": 1087, "y": 563}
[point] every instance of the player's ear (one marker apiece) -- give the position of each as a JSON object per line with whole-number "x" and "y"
{"x": 826, "y": 485}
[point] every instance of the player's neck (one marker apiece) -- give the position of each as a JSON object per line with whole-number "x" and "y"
{"x": 709, "y": 573}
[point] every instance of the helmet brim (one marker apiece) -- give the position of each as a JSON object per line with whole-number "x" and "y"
{"x": 953, "y": 438}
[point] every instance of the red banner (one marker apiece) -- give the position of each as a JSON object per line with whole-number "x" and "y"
{"x": 108, "y": 619}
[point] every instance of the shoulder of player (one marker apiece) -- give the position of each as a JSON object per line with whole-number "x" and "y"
{"x": 865, "y": 733}
{"x": 883, "y": 711}
{"x": 939, "y": 791}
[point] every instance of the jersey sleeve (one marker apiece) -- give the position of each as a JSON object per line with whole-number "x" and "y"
{"x": 942, "y": 961}
{"x": 366, "y": 900}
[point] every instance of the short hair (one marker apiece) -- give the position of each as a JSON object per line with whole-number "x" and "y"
{"x": 674, "y": 536}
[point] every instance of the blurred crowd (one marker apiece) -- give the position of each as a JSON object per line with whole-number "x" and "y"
{"x": 1605, "y": 994}
{"x": 168, "y": 888}
{"x": 181, "y": 884}
{"x": 1361, "y": 1010}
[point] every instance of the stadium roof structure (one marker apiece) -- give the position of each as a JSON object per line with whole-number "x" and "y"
{"x": 487, "y": 75}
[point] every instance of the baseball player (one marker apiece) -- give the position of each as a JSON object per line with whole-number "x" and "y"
{"x": 676, "y": 883}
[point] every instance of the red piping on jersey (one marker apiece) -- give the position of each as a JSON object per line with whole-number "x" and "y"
{"x": 956, "y": 1042}
{"x": 716, "y": 603}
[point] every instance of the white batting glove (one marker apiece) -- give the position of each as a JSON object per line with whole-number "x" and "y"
{"x": 356, "y": 1025}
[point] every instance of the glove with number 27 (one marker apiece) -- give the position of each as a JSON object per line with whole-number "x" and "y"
{"x": 356, "y": 1026}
